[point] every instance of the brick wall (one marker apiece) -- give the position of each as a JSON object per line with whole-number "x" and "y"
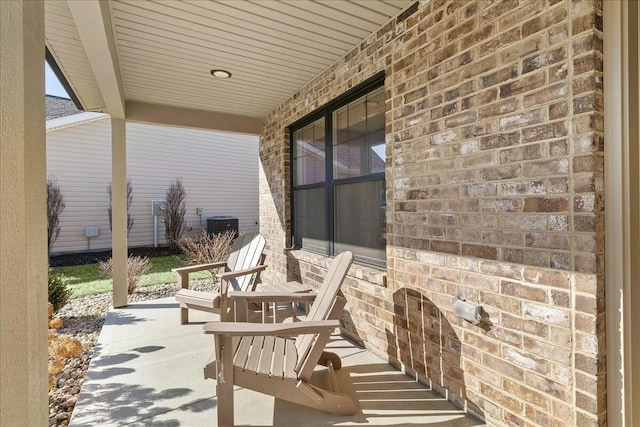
{"x": 495, "y": 194}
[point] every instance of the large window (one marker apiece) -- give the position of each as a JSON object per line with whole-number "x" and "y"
{"x": 338, "y": 162}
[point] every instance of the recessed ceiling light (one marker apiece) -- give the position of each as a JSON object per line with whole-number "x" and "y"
{"x": 221, "y": 74}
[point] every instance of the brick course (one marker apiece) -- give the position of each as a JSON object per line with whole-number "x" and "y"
{"x": 494, "y": 179}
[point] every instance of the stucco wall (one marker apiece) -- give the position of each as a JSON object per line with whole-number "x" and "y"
{"x": 23, "y": 246}
{"x": 495, "y": 194}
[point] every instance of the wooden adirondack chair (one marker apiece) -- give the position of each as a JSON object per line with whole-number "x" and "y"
{"x": 241, "y": 272}
{"x": 257, "y": 357}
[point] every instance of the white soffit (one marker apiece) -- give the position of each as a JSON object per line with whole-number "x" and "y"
{"x": 64, "y": 43}
{"x": 272, "y": 48}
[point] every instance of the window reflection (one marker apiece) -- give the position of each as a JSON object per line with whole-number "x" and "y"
{"x": 358, "y": 140}
{"x": 309, "y": 154}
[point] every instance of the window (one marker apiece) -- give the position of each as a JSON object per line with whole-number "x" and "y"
{"x": 338, "y": 163}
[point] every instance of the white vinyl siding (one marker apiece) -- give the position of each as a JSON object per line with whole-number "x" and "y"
{"x": 218, "y": 170}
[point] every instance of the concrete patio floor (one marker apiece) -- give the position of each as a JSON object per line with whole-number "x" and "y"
{"x": 147, "y": 371}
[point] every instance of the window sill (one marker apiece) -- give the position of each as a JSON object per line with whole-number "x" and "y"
{"x": 374, "y": 275}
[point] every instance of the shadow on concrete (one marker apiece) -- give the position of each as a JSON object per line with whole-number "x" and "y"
{"x": 115, "y": 359}
{"x": 108, "y": 373}
{"x": 148, "y": 349}
{"x": 383, "y": 396}
{"x": 118, "y": 318}
{"x": 154, "y": 306}
{"x": 122, "y": 403}
{"x": 200, "y": 405}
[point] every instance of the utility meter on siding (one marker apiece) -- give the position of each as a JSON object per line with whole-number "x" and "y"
{"x": 158, "y": 207}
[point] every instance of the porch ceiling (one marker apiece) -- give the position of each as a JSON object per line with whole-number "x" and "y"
{"x": 162, "y": 52}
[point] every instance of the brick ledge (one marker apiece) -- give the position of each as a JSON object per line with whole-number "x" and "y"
{"x": 369, "y": 274}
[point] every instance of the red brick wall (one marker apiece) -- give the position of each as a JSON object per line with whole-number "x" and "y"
{"x": 495, "y": 190}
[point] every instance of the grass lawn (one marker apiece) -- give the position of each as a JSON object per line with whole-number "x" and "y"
{"x": 87, "y": 279}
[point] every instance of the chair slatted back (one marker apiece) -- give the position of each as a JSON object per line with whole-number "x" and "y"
{"x": 245, "y": 253}
{"x": 323, "y": 308}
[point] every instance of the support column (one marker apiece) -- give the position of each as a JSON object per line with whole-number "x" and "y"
{"x": 622, "y": 216}
{"x": 119, "y": 210}
{"x": 23, "y": 219}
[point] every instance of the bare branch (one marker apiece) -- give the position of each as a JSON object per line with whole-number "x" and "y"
{"x": 174, "y": 213}
{"x": 55, "y": 206}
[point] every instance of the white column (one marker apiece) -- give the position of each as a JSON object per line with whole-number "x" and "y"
{"x": 622, "y": 216}
{"x": 119, "y": 210}
{"x": 23, "y": 220}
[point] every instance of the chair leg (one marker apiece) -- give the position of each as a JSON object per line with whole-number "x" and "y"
{"x": 184, "y": 312}
{"x": 224, "y": 393}
{"x": 224, "y": 385}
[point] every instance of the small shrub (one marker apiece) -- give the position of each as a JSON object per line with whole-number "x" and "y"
{"x": 136, "y": 267}
{"x": 174, "y": 224}
{"x": 55, "y": 206}
{"x": 59, "y": 293}
{"x": 206, "y": 248}
{"x": 129, "y": 201}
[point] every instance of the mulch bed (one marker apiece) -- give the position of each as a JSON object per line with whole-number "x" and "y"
{"x": 81, "y": 258}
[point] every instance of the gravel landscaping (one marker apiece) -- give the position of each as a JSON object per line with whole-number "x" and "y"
{"x": 82, "y": 319}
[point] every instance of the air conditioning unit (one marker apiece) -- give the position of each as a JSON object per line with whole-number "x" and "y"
{"x": 221, "y": 223}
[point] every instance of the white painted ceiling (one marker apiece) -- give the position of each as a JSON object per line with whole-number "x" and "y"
{"x": 166, "y": 49}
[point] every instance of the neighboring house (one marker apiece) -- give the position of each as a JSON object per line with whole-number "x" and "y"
{"x": 218, "y": 170}
{"x": 60, "y": 107}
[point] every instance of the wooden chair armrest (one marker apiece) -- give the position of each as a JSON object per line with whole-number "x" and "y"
{"x": 258, "y": 297}
{"x": 224, "y": 277}
{"x": 265, "y": 329}
{"x": 199, "y": 267}
{"x": 231, "y": 274}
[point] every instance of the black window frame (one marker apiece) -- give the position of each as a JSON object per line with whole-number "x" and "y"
{"x": 326, "y": 112}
